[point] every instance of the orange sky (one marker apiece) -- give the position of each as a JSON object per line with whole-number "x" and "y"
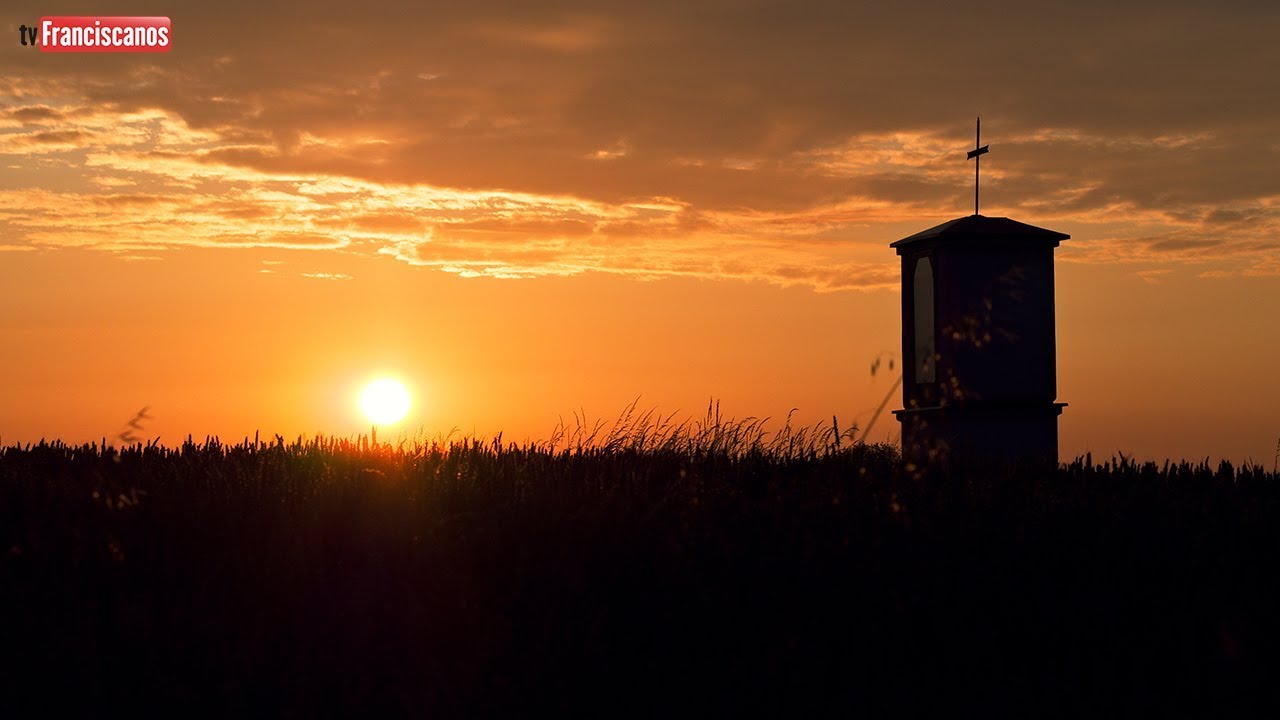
{"x": 526, "y": 212}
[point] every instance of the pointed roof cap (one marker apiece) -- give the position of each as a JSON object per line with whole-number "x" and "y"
{"x": 981, "y": 227}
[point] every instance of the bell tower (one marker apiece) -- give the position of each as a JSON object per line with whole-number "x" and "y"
{"x": 978, "y": 340}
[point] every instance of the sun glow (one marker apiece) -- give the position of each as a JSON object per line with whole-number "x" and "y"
{"x": 385, "y": 401}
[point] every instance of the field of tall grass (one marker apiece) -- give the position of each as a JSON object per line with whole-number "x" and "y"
{"x": 648, "y": 568}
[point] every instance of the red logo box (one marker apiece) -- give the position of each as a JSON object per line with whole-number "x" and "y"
{"x": 104, "y": 34}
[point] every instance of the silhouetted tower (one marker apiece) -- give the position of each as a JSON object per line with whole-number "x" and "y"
{"x": 978, "y": 346}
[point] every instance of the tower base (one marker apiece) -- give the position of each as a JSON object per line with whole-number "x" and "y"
{"x": 982, "y": 432}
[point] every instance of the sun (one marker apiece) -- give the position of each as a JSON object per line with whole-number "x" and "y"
{"x": 385, "y": 401}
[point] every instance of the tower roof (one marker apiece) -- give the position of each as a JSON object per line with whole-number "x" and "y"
{"x": 981, "y": 227}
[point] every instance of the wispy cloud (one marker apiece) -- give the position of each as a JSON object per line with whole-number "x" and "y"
{"x": 326, "y": 276}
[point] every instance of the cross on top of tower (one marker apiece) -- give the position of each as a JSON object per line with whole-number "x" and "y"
{"x": 976, "y": 155}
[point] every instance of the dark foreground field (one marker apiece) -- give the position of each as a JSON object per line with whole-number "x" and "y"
{"x": 688, "y": 577}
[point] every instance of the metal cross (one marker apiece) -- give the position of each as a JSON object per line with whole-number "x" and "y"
{"x": 976, "y": 155}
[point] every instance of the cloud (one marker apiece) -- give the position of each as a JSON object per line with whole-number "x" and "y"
{"x": 34, "y": 113}
{"x": 1153, "y": 276}
{"x": 1176, "y": 244}
{"x": 287, "y": 240}
{"x": 778, "y": 144}
{"x": 322, "y": 275}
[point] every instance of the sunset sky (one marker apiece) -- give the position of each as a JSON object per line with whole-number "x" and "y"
{"x": 527, "y": 210}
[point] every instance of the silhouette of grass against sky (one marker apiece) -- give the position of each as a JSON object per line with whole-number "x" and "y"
{"x": 627, "y": 571}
